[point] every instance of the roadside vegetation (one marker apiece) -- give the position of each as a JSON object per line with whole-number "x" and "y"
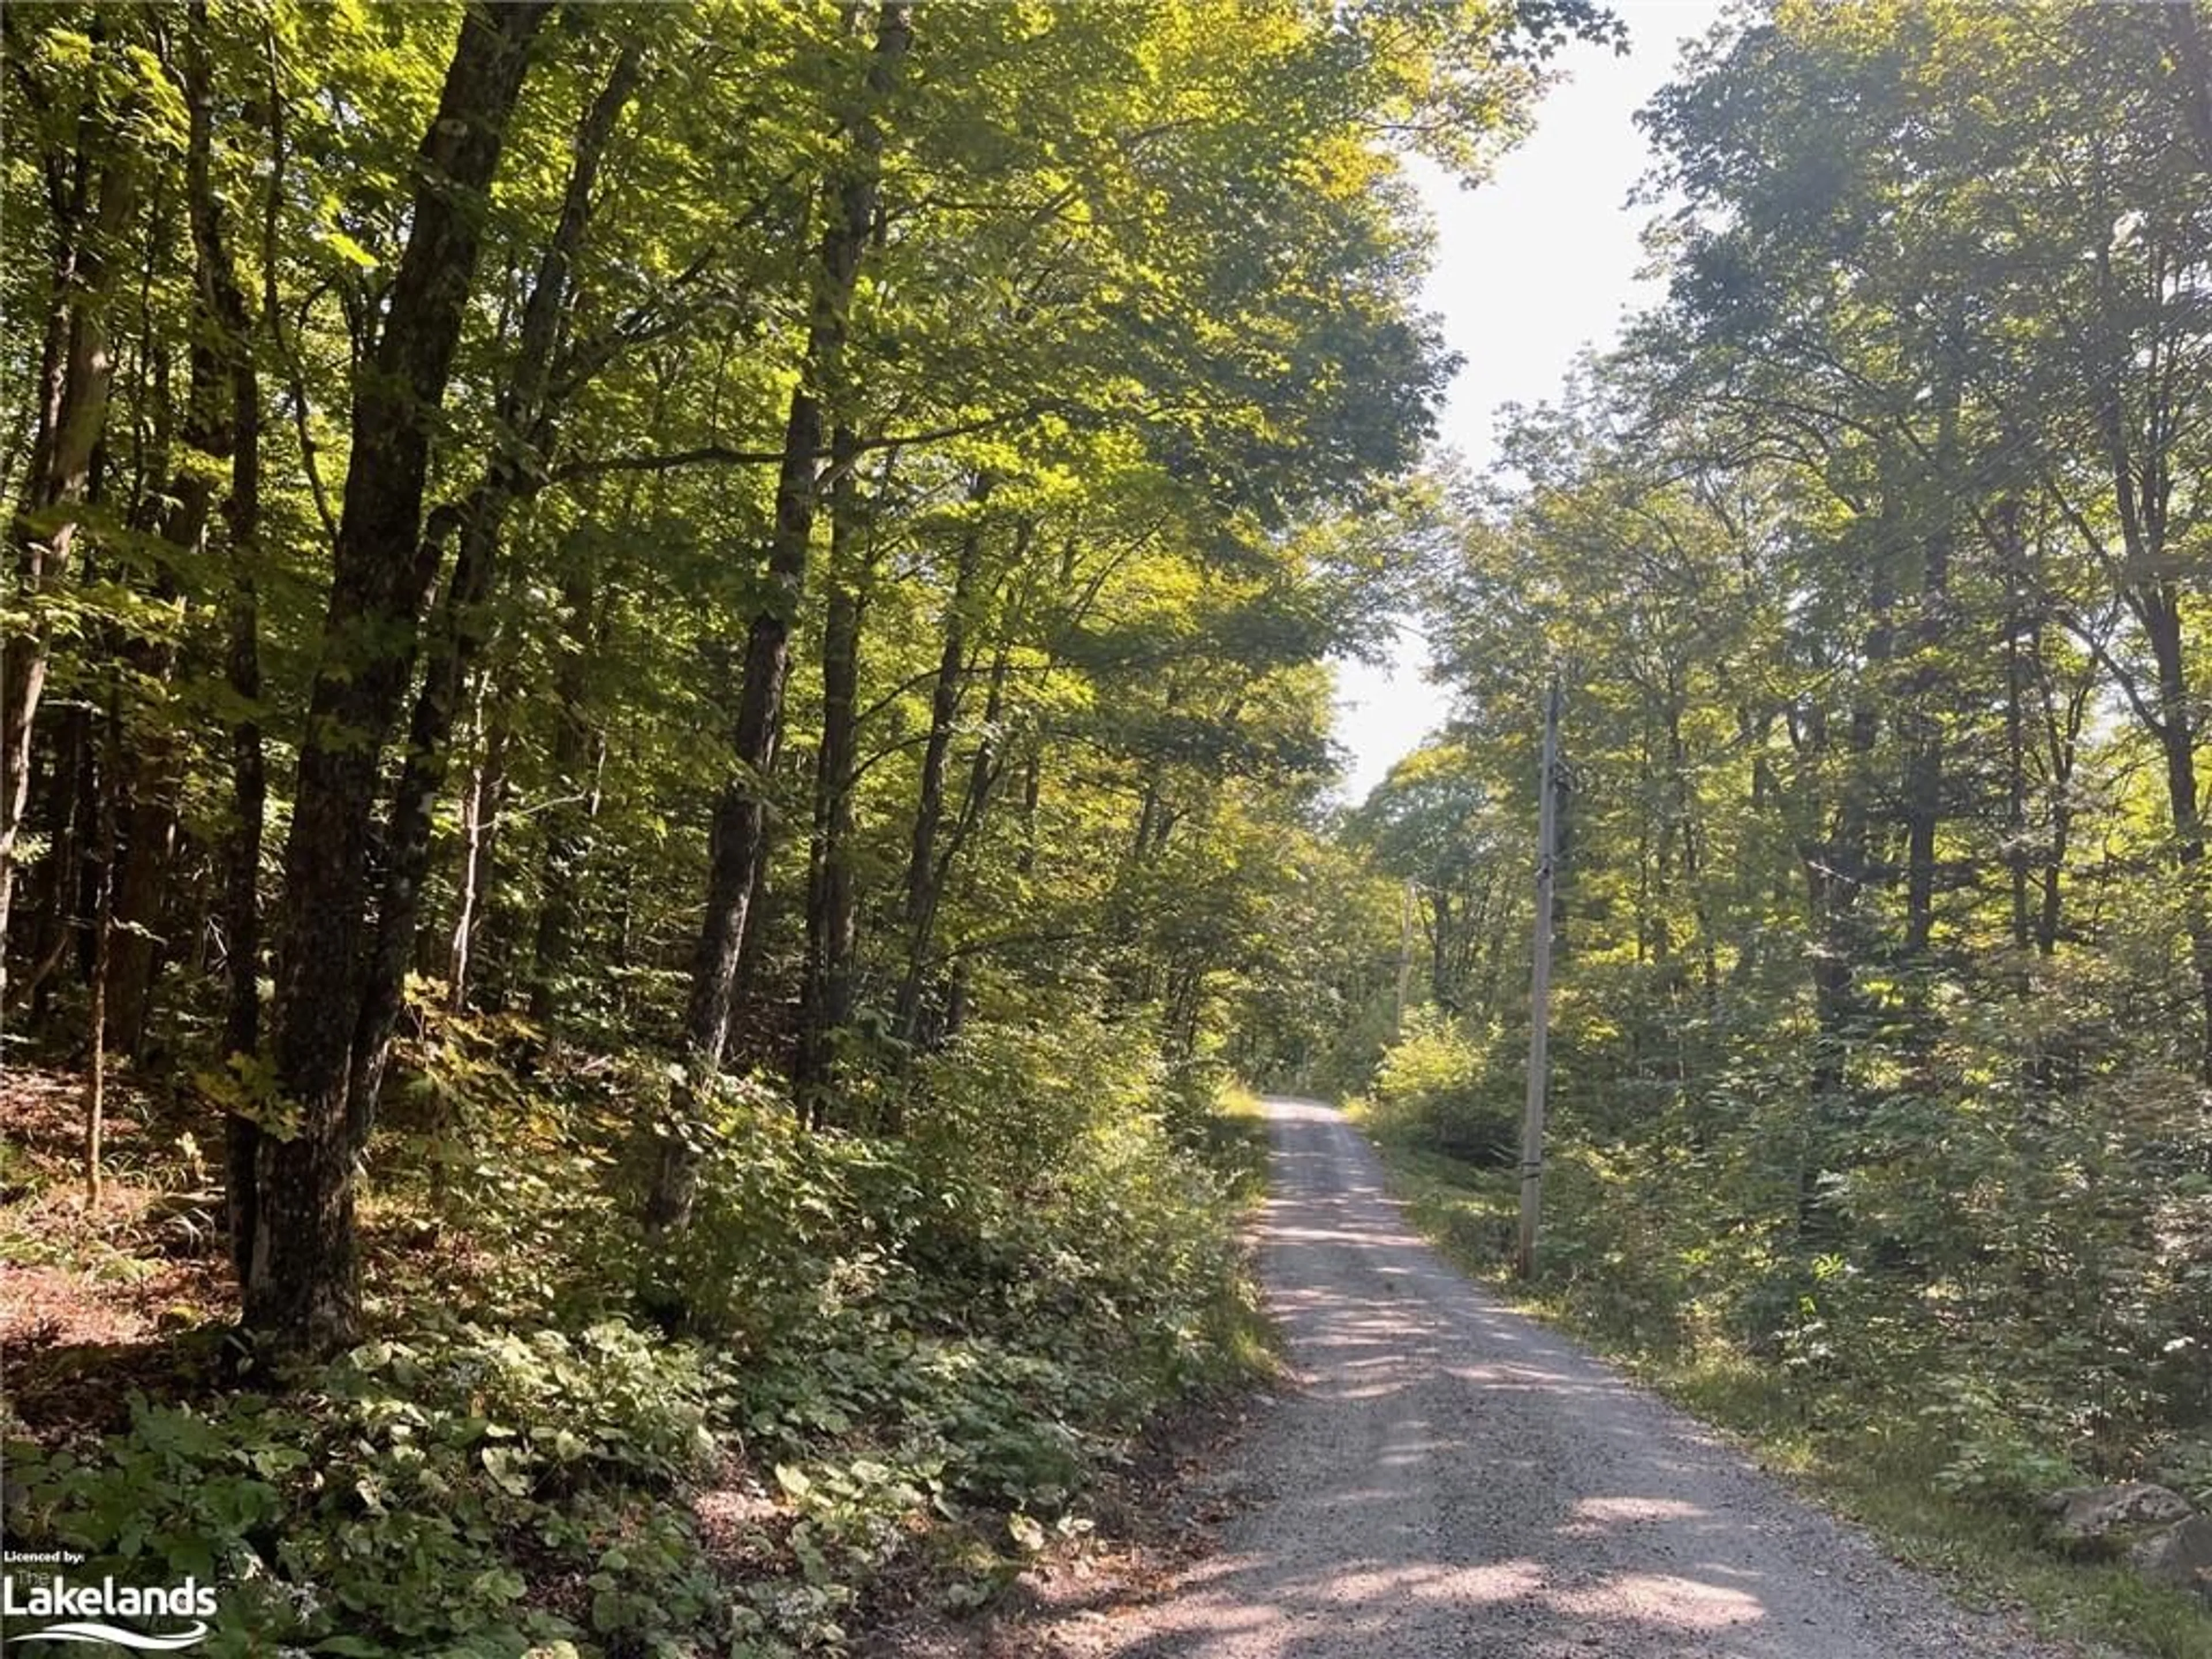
{"x": 1873, "y": 563}
{"x": 664, "y": 720}
{"x": 906, "y": 1360}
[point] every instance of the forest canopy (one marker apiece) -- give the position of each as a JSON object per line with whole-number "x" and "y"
{"x": 1876, "y": 563}
{"x": 663, "y": 702}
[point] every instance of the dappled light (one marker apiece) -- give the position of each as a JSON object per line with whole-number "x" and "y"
{"x": 670, "y": 776}
{"x": 1449, "y": 1477}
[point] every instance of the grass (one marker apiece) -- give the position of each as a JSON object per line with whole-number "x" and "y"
{"x": 1992, "y": 1557}
{"x": 1235, "y": 1142}
{"x": 1236, "y": 1147}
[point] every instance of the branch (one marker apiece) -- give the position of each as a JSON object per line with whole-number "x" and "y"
{"x": 723, "y": 455}
{"x": 2121, "y": 676}
{"x": 648, "y": 319}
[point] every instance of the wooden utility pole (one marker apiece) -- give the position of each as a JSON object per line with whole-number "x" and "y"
{"x": 1540, "y": 988}
{"x": 1405, "y": 961}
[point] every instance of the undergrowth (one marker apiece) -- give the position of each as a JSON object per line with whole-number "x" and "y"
{"x": 904, "y": 1353}
{"x": 1925, "y": 1459}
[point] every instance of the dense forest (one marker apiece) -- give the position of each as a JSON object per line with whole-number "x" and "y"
{"x": 1875, "y": 562}
{"x": 664, "y": 695}
{"x": 666, "y": 743}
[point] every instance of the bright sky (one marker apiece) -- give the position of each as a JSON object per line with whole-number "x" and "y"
{"x": 1529, "y": 269}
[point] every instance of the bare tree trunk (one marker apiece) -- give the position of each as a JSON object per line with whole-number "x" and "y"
{"x": 2062, "y": 721}
{"x": 578, "y": 754}
{"x": 826, "y": 989}
{"x": 103, "y": 960}
{"x": 485, "y": 801}
{"x": 249, "y": 788}
{"x": 241, "y": 907}
{"x": 920, "y": 909}
{"x": 2012, "y": 559}
{"x": 760, "y": 916}
{"x": 1923, "y": 773}
{"x": 59, "y": 801}
{"x": 983, "y": 769}
{"x": 474, "y": 804}
{"x": 2159, "y": 610}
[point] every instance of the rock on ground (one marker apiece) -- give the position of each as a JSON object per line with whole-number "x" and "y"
{"x": 2088, "y": 1512}
{"x": 2181, "y": 1556}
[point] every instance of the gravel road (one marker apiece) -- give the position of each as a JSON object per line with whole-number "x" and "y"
{"x": 1448, "y": 1478}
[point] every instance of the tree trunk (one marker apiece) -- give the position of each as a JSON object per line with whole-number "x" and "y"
{"x": 826, "y": 999}
{"x": 1032, "y": 798}
{"x": 2011, "y": 552}
{"x": 2160, "y": 610}
{"x": 142, "y": 890}
{"x": 483, "y": 809}
{"x": 1838, "y": 870}
{"x": 248, "y": 798}
{"x": 514, "y": 471}
{"x": 922, "y": 935}
{"x": 760, "y": 917}
{"x": 77, "y": 371}
{"x": 210, "y": 435}
{"x": 58, "y": 804}
{"x": 929, "y": 865}
{"x": 2142, "y": 481}
{"x": 1923, "y": 718}
{"x": 579, "y": 753}
{"x": 2062, "y": 741}
{"x": 929, "y": 800}
{"x": 103, "y": 961}
{"x": 241, "y": 857}
{"x": 741, "y": 817}
{"x": 301, "y": 1288}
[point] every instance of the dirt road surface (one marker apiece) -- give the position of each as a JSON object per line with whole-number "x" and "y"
{"x": 1448, "y": 1478}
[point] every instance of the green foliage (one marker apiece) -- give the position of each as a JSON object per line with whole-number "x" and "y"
{"x": 402, "y": 1499}
{"x": 1437, "y": 1082}
{"x": 1994, "y": 1455}
{"x": 889, "y": 1336}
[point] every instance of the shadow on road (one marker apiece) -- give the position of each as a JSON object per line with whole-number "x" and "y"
{"x": 1450, "y": 1478}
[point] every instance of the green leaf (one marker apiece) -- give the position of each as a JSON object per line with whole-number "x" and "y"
{"x": 348, "y": 250}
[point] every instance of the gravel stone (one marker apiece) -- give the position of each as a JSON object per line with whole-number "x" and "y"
{"x": 1451, "y": 1477}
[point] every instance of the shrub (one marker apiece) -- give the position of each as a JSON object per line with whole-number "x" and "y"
{"x": 1435, "y": 1085}
{"x": 400, "y": 1502}
{"x": 960, "y": 1321}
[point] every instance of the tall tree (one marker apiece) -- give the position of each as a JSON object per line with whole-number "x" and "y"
{"x": 92, "y": 173}
{"x": 300, "y": 1284}
{"x": 740, "y": 815}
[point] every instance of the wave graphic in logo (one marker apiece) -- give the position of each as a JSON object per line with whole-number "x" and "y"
{"x": 87, "y": 1630}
